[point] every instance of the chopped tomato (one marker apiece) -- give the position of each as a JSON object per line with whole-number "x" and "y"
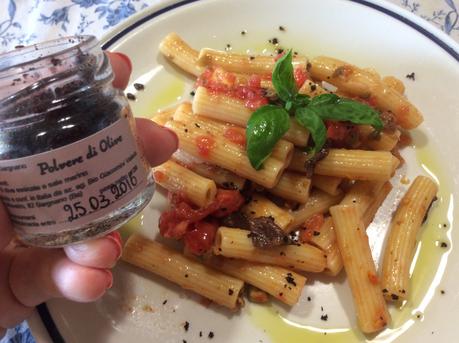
{"x": 235, "y": 135}
{"x": 159, "y": 176}
{"x": 311, "y": 226}
{"x": 201, "y": 238}
{"x": 223, "y": 82}
{"x": 373, "y": 278}
{"x": 205, "y": 144}
{"x": 300, "y": 76}
{"x": 254, "y": 81}
{"x": 180, "y": 219}
{"x": 342, "y": 134}
{"x": 226, "y": 202}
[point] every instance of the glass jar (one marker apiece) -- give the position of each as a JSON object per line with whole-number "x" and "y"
{"x": 70, "y": 167}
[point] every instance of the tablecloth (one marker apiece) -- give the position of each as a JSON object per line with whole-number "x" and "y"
{"x": 25, "y": 22}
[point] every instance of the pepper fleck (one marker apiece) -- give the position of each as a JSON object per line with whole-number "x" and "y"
{"x": 324, "y": 317}
{"x": 411, "y": 76}
{"x": 186, "y": 275}
{"x": 290, "y": 279}
{"x": 443, "y": 245}
{"x": 200, "y": 333}
{"x": 230, "y": 292}
{"x": 131, "y": 96}
{"x": 252, "y": 58}
{"x": 186, "y": 326}
{"x": 211, "y": 335}
{"x": 165, "y": 302}
{"x": 139, "y": 86}
{"x": 394, "y": 296}
{"x": 442, "y": 291}
{"x": 243, "y": 32}
{"x": 281, "y": 28}
{"x": 273, "y": 41}
{"x": 309, "y": 299}
{"x": 192, "y": 93}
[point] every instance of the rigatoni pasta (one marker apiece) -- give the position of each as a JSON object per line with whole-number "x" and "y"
{"x": 371, "y": 309}
{"x": 236, "y": 243}
{"x": 282, "y": 165}
{"x": 189, "y": 274}
{"x": 401, "y": 244}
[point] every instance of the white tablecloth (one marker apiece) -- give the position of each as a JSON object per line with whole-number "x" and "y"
{"x": 24, "y": 22}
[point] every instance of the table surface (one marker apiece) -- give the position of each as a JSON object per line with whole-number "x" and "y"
{"x": 24, "y": 22}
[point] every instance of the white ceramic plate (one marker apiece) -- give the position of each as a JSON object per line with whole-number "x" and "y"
{"x": 367, "y": 33}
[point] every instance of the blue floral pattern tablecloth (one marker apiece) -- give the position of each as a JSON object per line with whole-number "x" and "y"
{"x": 25, "y": 22}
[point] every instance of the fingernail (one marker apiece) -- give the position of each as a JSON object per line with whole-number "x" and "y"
{"x": 115, "y": 237}
{"x": 109, "y": 279}
{"x": 126, "y": 59}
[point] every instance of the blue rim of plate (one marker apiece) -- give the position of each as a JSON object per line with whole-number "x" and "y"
{"x": 43, "y": 310}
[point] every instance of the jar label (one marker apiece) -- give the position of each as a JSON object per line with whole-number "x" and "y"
{"x": 76, "y": 184}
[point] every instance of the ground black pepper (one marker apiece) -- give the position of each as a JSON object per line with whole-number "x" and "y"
{"x": 186, "y": 326}
{"x": 211, "y": 335}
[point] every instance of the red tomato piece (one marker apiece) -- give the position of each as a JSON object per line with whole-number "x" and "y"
{"x": 226, "y": 202}
{"x": 200, "y": 239}
{"x": 235, "y": 135}
{"x": 312, "y": 225}
{"x": 205, "y": 144}
{"x": 300, "y": 76}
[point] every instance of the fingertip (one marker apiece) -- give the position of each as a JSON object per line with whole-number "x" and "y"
{"x": 158, "y": 142}
{"x": 79, "y": 283}
{"x": 98, "y": 253}
{"x": 122, "y": 69}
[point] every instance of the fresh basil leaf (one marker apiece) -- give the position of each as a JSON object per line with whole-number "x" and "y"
{"x": 283, "y": 79}
{"x": 332, "y": 107}
{"x": 310, "y": 120}
{"x": 264, "y": 128}
{"x": 302, "y": 100}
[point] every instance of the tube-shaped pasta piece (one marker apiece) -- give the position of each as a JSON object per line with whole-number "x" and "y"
{"x": 236, "y": 243}
{"x": 175, "y": 178}
{"x": 282, "y": 151}
{"x": 222, "y": 177}
{"x": 292, "y": 186}
{"x": 298, "y": 162}
{"x": 318, "y": 202}
{"x": 356, "y": 81}
{"x": 312, "y": 89}
{"x": 281, "y": 283}
{"x": 386, "y": 141}
{"x": 375, "y": 204}
{"x": 188, "y": 273}
{"x": 394, "y": 83}
{"x": 362, "y": 194}
{"x": 180, "y": 53}
{"x": 328, "y": 184}
{"x": 372, "y": 314}
{"x": 215, "y": 150}
{"x": 358, "y": 164}
{"x": 234, "y": 111}
{"x": 259, "y": 206}
{"x": 401, "y": 244}
{"x": 256, "y": 295}
{"x": 243, "y": 63}
{"x": 163, "y": 117}
{"x": 326, "y": 240}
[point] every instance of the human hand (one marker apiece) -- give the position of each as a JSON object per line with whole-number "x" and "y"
{"x": 80, "y": 272}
